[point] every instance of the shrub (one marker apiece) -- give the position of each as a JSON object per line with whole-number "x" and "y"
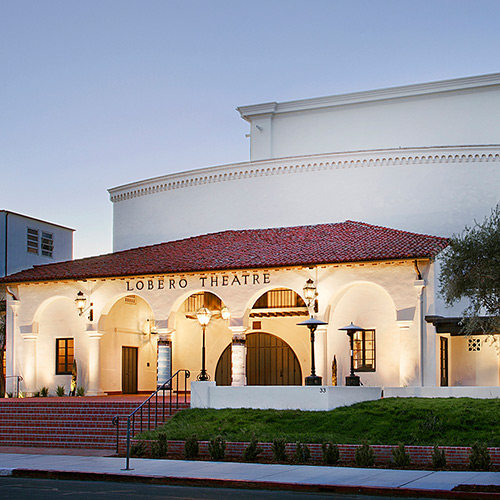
{"x": 138, "y": 449}
{"x": 159, "y": 447}
{"x": 191, "y": 447}
{"x": 364, "y": 456}
{"x": 302, "y": 452}
{"x": 252, "y": 451}
{"x": 400, "y": 457}
{"x": 60, "y": 391}
{"x": 217, "y": 448}
{"x": 80, "y": 391}
{"x": 44, "y": 392}
{"x": 331, "y": 454}
{"x": 438, "y": 458}
{"x": 279, "y": 450}
{"x": 36, "y": 394}
{"x": 479, "y": 457}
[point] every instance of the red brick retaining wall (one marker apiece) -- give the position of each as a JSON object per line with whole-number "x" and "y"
{"x": 420, "y": 455}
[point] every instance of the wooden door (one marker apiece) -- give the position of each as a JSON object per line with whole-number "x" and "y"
{"x": 443, "y": 355}
{"x": 223, "y": 370}
{"x": 270, "y": 361}
{"x": 129, "y": 370}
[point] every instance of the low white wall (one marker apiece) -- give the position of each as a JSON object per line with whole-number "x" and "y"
{"x": 442, "y": 392}
{"x": 208, "y": 395}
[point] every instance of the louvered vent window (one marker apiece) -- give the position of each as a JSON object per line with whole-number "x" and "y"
{"x": 279, "y": 299}
{"x": 130, "y": 300}
{"x": 32, "y": 240}
{"x": 204, "y": 299}
{"x": 47, "y": 244}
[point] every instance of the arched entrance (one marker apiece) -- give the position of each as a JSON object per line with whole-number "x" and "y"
{"x": 270, "y": 361}
{"x": 128, "y": 350}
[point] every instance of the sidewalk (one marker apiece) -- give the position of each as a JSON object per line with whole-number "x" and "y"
{"x": 406, "y": 483}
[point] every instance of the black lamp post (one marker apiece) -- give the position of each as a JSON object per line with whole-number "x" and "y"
{"x": 351, "y": 329}
{"x": 203, "y": 316}
{"x": 312, "y": 324}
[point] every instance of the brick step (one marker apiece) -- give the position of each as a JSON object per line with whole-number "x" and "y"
{"x": 69, "y": 423}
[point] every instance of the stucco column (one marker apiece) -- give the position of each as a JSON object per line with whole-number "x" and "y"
{"x": 420, "y": 287}
{"x": 11, "y": 331}
{"x": 29, "y": 363}
{"x": 320, "y": 354}
{"x": 238, "y": 356}
{"x": 94, "y": 388}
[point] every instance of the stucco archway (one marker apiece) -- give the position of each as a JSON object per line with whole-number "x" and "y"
{"x": 370, "y": 306}
{"x": 269, "y": 361}
{"x": 186, "y": 336}
{"x": 128, "y": 350}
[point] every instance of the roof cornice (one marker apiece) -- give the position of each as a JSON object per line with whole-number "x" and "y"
{"x": 299, "y": 164}
{"x": 17, "y": 214}
{"x": 414, "y": 90}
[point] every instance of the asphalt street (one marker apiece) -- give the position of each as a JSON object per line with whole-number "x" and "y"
{"x": 51, "y": 489}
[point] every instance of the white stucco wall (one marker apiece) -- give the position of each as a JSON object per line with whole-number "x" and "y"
{"x": 447, "y": 113}
{"x": 473, "y": 367}
{"x": 207, "y": 395}
{"x": 431, "y": 190}
{"x": 382, "y": 296}
{"x": 422, "y": 158}
{"x": 13, "y": 239}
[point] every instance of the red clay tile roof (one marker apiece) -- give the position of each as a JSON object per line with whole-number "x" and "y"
{"x": 348, "y": 241}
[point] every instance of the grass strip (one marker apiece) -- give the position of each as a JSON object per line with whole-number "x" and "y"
{"x": 412, "y": 421}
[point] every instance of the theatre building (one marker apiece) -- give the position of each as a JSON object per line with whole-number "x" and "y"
{"x": 141, "y": 305}
{"x": 242, "y": 240}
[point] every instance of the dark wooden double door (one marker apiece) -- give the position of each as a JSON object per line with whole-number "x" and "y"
{"x": 270, "y": 361}
{"x": 129, "y": 370}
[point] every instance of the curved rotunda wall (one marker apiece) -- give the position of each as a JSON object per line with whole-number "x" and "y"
{"x": 435, "y": 191}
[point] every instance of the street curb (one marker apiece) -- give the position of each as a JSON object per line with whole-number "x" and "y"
{"x": 252, "y": 485}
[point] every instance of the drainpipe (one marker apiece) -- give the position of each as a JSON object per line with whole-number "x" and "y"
{"x": 6, "y": 240}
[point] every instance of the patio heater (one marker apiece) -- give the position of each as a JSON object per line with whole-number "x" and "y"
{"x": 352, "y": 379}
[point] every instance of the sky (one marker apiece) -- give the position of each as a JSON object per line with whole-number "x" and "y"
{"x": 101, "y": 93}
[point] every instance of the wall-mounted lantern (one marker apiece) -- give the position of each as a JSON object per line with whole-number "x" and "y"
{"x": 149, "y": 327}
{"x": 311, "y": 294}
{"x": 81, "y": 303}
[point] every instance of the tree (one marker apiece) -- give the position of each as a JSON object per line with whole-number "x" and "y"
{"x": 470, "y": 269}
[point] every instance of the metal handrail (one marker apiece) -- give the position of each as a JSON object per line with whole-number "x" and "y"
{"x": 167, "y": 386}
{"x": 18, "y": 380}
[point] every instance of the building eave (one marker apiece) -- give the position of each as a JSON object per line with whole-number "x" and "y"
{"x": 404, "y": 91}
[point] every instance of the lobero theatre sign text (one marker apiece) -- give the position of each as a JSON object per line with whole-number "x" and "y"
{"x": 203, "y": 281}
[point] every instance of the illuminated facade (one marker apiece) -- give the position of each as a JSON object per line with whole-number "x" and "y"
{"x": 423, "y": 159}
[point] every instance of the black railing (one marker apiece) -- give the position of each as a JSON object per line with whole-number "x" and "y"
{"x": 18, "y": 380}
{"x": 162, "y": 407}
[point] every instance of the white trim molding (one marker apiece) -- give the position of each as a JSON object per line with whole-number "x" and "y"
{"x": 302, "y": 164}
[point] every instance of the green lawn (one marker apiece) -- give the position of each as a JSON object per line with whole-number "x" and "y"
{"x": 418, "y": 421}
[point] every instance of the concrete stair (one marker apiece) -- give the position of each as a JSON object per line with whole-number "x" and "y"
{"x": 73, "y": 422}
